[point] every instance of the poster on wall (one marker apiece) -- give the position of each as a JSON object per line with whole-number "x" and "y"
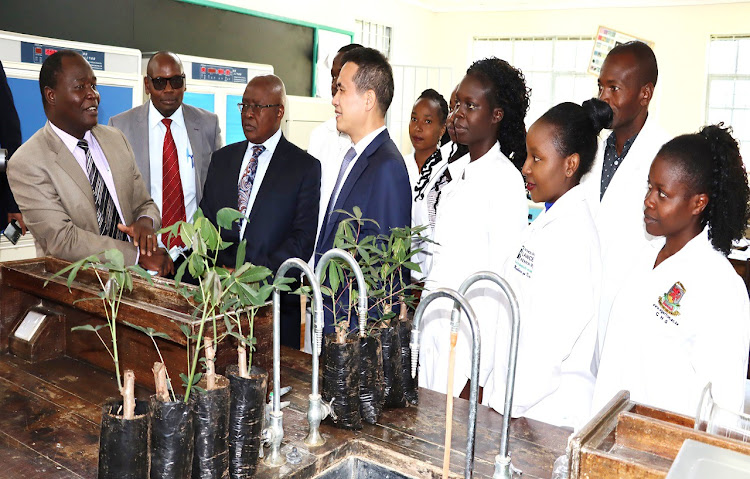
{"x": 606, "y": 40}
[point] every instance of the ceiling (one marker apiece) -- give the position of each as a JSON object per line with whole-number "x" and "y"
{"x": 512, "y": 5}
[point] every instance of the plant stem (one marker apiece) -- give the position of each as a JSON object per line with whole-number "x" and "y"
{"x": 252, "y": 335}
{"x": 197, "y": 349}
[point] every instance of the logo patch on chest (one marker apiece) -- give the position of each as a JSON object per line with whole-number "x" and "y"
{"x": 670, "y": 301}
{"x": 525, "y": 262}
{"x": 667, "y": 307}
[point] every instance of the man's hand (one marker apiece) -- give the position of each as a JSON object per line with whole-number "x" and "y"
{"x": 143, "y": 234}
{"x": 19, "y": 220}
{"x": 159, "y": 261}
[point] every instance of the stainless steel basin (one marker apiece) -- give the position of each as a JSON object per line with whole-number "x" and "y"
{"x": 356, "y": 467}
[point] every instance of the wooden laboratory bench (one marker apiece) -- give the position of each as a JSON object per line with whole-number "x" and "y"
{"x": 50, "y": 413}
{"x": 52, "y": 388}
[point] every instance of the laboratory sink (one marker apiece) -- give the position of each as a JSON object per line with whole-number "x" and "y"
{"x": 356, "y": 467}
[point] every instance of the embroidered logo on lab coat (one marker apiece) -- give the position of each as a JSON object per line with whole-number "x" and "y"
{"x": 525, "y": 262}
{"x": 670, "y": 301}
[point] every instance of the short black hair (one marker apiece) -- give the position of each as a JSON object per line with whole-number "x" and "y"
{"x": 577, "y": 128}
{"x": 710, "y": 163}
{"x": 431, "y": 94}
{"x": 374, "y": 73}
{"x": 51, "y": 67}
{"x": 349, "y": 47}
{"x": 644, "y": 55}
{"x": 508, "y": 91}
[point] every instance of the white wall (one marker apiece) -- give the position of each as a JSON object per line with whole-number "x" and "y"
{"x": 681, "y": 36}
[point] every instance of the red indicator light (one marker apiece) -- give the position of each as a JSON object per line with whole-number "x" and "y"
{"x": 212, "y": 70}
{"x": 49, "y": 51}
{"x": 221, "y": 71}
{"x": 38, "y": 51}
{"x": 203, "y": 69}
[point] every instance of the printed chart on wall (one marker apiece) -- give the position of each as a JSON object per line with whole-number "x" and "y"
{"x": 606, "y": 40}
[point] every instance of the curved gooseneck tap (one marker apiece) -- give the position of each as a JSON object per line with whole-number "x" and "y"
{"x": 460, "y": 302}
{"x": 274, "y": 433}
{"x": 503, "y": 467}
{"x": 316, "y": 410}
{"x": 361, "y": 287}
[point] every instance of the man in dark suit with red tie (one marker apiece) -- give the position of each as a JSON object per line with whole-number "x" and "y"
{"x": 275, "y": 184}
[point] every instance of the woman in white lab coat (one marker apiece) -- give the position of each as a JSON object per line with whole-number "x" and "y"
{"x": 479, "y": 217}
{"x": 682, "y": 319}
{"x": 427, "y": 191}
{"x": 555, "y": 274}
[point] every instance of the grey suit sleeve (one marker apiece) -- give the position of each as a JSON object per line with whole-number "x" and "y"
{"x": 46, "y": 217}
{"x": 218, "y": 143}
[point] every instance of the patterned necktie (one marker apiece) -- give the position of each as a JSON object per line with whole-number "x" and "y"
{"x": 344, "y": 165}
{"x": 106, "y": 212}
{"x": 172, "y": 199}
{"x": 246, "y": 182}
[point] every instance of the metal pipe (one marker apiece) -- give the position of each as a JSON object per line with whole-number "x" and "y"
{"x": 460, "y": 302}
{"x": 361, "y": 287}
{"x": 503, "y": 466}
{"x": 275, "y": 431}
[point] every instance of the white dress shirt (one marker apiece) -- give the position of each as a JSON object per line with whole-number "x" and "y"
{"x": 263, "y": 161}
{"x": 71, "y": 143}
{"x": 156, "y": 132}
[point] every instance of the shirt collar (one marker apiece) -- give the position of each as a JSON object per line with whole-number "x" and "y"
{"x": 154, "y": 117}
{"x": 611, "y": 144}
{"x": 270, "y": 144}
{"x": 70, "y": 141}
{"x": 365, "y": 142}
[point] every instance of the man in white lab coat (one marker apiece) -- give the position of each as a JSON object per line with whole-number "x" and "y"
{"x": 616, "y": 184}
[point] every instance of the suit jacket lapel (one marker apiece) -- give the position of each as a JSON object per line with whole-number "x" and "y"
{"x": 274, "y": 171}
{"x": 192, "y": 126}
{"x": 68, "y": 163}
{"x": 141, "y": 148}
{"x": 359, "y": 167}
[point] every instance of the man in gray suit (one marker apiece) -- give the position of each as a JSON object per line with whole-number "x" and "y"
{"x": 76, "y": 181}
{"x": 172, "y": 142}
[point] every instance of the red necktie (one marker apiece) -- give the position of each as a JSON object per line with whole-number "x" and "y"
{"x": 172, "y": 199}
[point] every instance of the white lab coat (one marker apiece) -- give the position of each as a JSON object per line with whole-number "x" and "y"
{"x": 420, "y": 215}
{"x": 556, "y": 276}
{"x": 619, "y": 215}
{"x": 665, "y": 359}
{"x": 479, "y": 221}
{"x": 329, "y": 146}
{"x": 412, "y": 170}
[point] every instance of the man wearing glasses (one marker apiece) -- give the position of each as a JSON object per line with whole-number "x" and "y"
{"x": 275, "y": 184}
{"x": 172, "y": 143}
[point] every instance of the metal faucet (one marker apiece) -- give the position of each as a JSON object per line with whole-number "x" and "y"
{"x": 460, "y": 302}
{"x": 274, "y": 433}
{"x": 317, "y": 410}
{"x": 361, "y": 287}
{"x": 503, "y": 467}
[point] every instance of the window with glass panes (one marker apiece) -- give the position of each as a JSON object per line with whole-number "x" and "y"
{"x": 554, "y": 67}
{"x": 728, "y": 94}
{"x": 373, "y": 35}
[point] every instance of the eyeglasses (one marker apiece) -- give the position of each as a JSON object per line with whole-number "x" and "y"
{"x": 177, "y": 81}
{"x": 257, "y": 109}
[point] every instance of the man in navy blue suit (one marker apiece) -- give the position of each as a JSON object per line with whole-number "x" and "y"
{"x": 372, "y": 174}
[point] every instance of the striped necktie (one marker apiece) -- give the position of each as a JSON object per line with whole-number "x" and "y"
{"x": 106, "y": 212}
{"x": 173, "y": 199}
